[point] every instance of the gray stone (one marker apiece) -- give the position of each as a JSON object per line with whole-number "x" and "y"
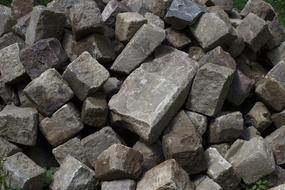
{"x": 199, "y": 121}
{"x": 235, "y": 21}
{"x": 277, "y": 32}
{"x": 20, "y": 28}
{"x": 125, "y": 184}
{"x": 144, "y": 42}
{"x": 20, "y": 8}
{"x": 9, "y": 39}
{"x": 111, "y": 86}
{"x": 85, "y": 17}
{"x": 8, "y": 94}
{"x": 5, "y": 9}
{"x": 237, "y": 47}
{"x": 94, "y": 111}
{"x": 254, "y": 31}
{"x": 62, "y": 125}
{"x": 8, "y": 149}
{"x": 278, "y": 119}
{"x": 218, "y": 10}
{"x": 24, "y": 101}
{"x": 24, "y": 173}
{"x": 44, "y": 23}
{"x": 279, "y": 187}
{"x": 99, "y": 46}
{"x": 118, "y": 162}
{"x": 220, "y": 170}
{"x": 74, "y": 148}
{"x": 259, "y": 7}
{"x": 277, "y": 54}
{"x": 6, "y": 20}
{"x": 177, "y": 39}
{"x": 19, "y": 125}
{"x": 222, "y": 148}
{"x": 201, "y": 98}
{"x": 11, "y": 67}
{"x": 74, "y": 175}
{"x": 226, "y": 127}
{"x": 164, "y": 176}
{"x": 227, "y": 5}
{"x": 249, "y": 133}
{"x": 96, "y": 143}
{"x": 212, "y": 31}
{"x": 85, "y": 75}
{"x": 112, "y": 9}
{"x": 259, "y": 117}
{"x": 152, "y": 94}
{"x": 127, "y": 24}
{"x": 154, "y": 20}
{"x": 42, "y": 55}
{"x": 134, "y": 5}
{"x": 152, "y": 154}
{"x": 251, "y": 159}
{"x": 196, "y": 52}
{"x": 48, "y": 92}
{"x": 277, "y": 143}
{"x": 183, "y": 143}
{"x": 158, "y": 7}
{"x": 276, "y": 178}
{"x": 184, "y": 12}
{"x": 206, "y": 183}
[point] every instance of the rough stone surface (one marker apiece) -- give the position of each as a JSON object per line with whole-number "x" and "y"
{"x": 210, "y": 88}
{"x": 154, "y": 20}
{"x": 62, "y": 125}
{"x": 24, "y": 173}
{"x": 85, "y": 75}
{"x": 74, "y": 148}
{"x": 8, "y": 94}
{"x": 118, "y": 162}
{"x": 19, "y": 125}
{"x": 127, "y": 24}
{"x": 279, "y": 187}
{"x": 227, "y": 5}
{"x": 20, "y": 8}
{"x": 177, "y": 39}
{"x": 277, "y": 54}
{"x": 85, "y": 17}
{"x": 261, "y": 8}
{"x": 152, "y": 154}
{"x": 276, "y": 141}
{"x": 48, "y": 92}
{"x": 277, "y": 32}
{"x": 183, "y": 12}
{"x": 125, "y": 184}
{"x": 95, "y": 111}
{"x": 11, "y": 67}
{"x": 7, "y": 21}
{"x": 251, "y": 159}
{"x": 249, "y": 133}
{"x": 259, "y": 116}
{"x": 196, "y": 52}
{"x": 222, "y": 148}
{"x": 226, "y": 127}
{"x": 111, "y": 86}
{"x": 74, "y": 175}
{"x": 153, "y": 83}
{"x": 278, "y": 119}
{"x": 96, "y": 143}
{"x": 144, "y": 42}
{"x": 42, "y": 55}
{"x": 276, "y": 178}
{"x": 183, "y": 143}
{"x": 220, "y": 170}
{"x": 206, "y": 183}
{"x": 165, "y": 175}
{"x": 8, "y": 149}
{"x": 44, "y": 23}
{"x": 9, "y": 39}
{"x": 158, "y": 7}
{"x": 212, "y": 31}
{"x": 199, "y": 121}
{"x": 254, "y": 31}
{"x": 20, "y": 28}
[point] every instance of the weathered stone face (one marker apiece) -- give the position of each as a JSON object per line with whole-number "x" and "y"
{"x": 251, "y": 159}
{"x": 125, "y": 184}
{"x": 261, "y": 8}
{"x": 7, "y": 148}
{"x": 210, "y": 89}
{"x": 6, "y": 20}
{"x": 111, "y": 86}
{"x": 9, "y": 39}
{"x": 11, "y": 67}
{"x": 43, "y": 55}
{"x": 48, "y": 92}
{"x": 144, "y": 42}
{"x": 277, "y": 32}
{"x": 24, "y": 173}
{"x": 227, "y": 5}
{"x": 74, "y": 175}
{"x": 206, "y": 183}
{"x": 278, "y": 119}
{"x": 96, "y": 143}
{"x": 154, "y": 20}
{"x": 118, "y": 162}
{"x": 183, "y": 143}
{"x": 85, "y": 75}
{"x": 165, "y": 175}
{"x": 20, "y": 28}
{"x": 249, "y": 133}
{"x": 279, "y": 187}
{"x": 158, "y": 7}
{"x": 277, "y": 54}
{"x": 183, "y": 12}
{"x": 199, "y": 121}
{"x": 8, "y": 94}
{"x": 149, "y": 97}
{"x": 44, "y": 23}
{"x": 177, "y": 39}
{"x": 62, "y": 125}
{"x": 19, "y": 125}
{"x": 276, "y": 141}
{"x": 20, "y": 8}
